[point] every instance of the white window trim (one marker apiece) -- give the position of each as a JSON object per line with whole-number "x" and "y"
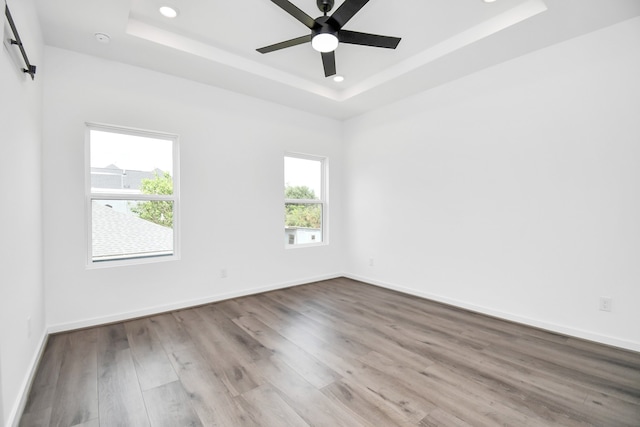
{"x": 324, "y": 196}
{"x": 109, "y": 195}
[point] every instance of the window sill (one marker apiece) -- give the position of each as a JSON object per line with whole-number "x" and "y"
{"x": 306, "y": 245}
{"x": 121, "y": 262}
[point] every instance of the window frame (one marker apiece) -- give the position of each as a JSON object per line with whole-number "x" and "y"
{"x": 127, "y": 196}
{"x": 323, "y": 200}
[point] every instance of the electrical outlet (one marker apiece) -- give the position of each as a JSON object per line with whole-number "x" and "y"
{"x": 223, "y": 273}
{"x": 370, "y": 262}
{"x": 605, "y": 304}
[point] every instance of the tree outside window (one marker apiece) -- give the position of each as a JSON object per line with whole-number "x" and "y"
{"x": 305, "y": 201}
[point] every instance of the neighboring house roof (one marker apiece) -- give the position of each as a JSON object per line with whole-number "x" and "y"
{"x": 117, "y": 234}
{"x": 113, "y": 177}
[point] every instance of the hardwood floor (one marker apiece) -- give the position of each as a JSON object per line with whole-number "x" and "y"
{"x": 333, "y": 353}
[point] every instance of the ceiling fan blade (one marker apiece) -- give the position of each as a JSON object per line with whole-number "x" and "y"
{"x": 346, "y": 11}
{"x": 284, "y": 44}
{"x": 366, "y": 39}
{"x": 329, "y": 63}
{"x": 294, "y": 11}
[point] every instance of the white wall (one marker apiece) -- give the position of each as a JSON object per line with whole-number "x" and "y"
{"x": 232, "y": 149}
{"x": 520, "y": 185}
{"x": 1, "y": 395}
{"x": 21, "y": 284}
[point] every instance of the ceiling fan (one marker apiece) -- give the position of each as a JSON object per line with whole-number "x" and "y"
{"x": 326, "y": 31}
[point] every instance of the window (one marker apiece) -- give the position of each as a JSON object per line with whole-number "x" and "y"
{"x": 132, "y": 196}
{"x": 305, "y": 203}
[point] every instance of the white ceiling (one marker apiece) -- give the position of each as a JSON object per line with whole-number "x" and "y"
{"x": 215, "y": 41}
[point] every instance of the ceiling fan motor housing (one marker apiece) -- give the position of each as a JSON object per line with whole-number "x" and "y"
{"x": 323, "y": 25}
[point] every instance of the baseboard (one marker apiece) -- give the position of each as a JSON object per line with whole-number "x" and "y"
{"x": 536, "y": 323}
{"x": 21, "y": 402}
{"x": 150, "y": 311}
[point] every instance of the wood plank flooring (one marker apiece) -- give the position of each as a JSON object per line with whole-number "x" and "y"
{"x": 333, "y": 353}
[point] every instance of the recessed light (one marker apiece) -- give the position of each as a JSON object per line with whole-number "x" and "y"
{"x": 168, "y": 11}
{"x": 338, "y": 78}
{"x": 489, "y": 1}
{"x": 102, "y": 37}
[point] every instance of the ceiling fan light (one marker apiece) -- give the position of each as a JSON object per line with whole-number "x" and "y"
{"x": 324, "y": 42}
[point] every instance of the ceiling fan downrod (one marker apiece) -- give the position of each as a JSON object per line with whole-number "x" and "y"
{"x": 325, "y": 5}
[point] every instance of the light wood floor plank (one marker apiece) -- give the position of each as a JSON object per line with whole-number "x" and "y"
{"x": 439, "y": 417}
{"x": 606, "y": 410}
{"x": 235, "y": 338}
{"x": 119, "y": 396}
{"x": 322, "y": 331}
{"x": 151, "y": 361}
{"x": 41, "y": 417}
{"x": 209, "y": 397}
{"x": 168, "y": 406}
{"x": 367, "y": 404}
{"x": 76, "y": 396}
{"x": 40, "y": 403}
{"x": 309, "y": 402}
{"x": 404, "y": 397}
{"x": 91, "y": 423}
{"x": 265, "y": 405}
{"x": 232, "y": 367}
{"x": 171, "y": 333}
{"x": 299, "y": 360}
